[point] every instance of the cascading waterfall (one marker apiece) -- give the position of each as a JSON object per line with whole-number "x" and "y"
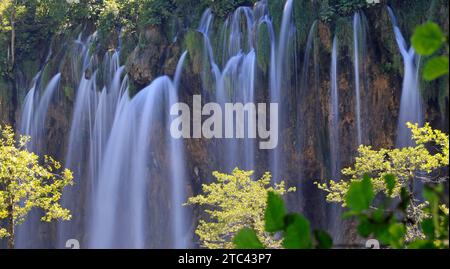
{"x": 119, "y": 205}
{"x": 334, "y": 222}
{"x": 179, "y": 222}
{"x": 91, "y": 124}
{"x": 334, "y": 115}
{"x": 35, "y": 111}
{"x": 280, "y": 79}
{"x": 33, "y": 124}
{"x": 236, "y": 81}
{"x": 411, "y": 101}
{"x": 132, "y": 177}
{"x": 359, "y": 58}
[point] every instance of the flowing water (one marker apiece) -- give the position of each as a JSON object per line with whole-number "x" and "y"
{"x": 335, "y": 210}
{"x": 411, "y": 100}
{"x": 359, "y": 58}
{"x": 132, "y": 177}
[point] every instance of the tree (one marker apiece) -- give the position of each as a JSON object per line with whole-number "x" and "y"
{"x": 25, "y": 184}
{"x": 233, "y": 202}
{"x": 10, "y": 10}
{"x": 426, "y": 161}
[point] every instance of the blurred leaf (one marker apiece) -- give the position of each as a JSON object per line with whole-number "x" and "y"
{"x": 397, "y": 232}
{"x": 275, "y": 213}
{"x": 323, "y": 239}
{"x": 427, "y": 226}
{"x": 435, "y": 68}
{"x": 297, "y": 234}
{"x": 390, "y": 183}
{"x": 431, "y": 196}
{"x": 247, "y": 239}
{"x": 365, "y": 228}
{"x": 421, "y": 244}
{"x": 360, "y": 195}
{"x": 427, "y": 38}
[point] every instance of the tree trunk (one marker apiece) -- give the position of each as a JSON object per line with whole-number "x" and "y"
{"x": 10, "y": 226}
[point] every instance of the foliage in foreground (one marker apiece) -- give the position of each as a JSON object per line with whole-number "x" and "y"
{"x": 386, "y": 223}
{"x": 424, "y": 162}
{"x": 428, "y": 39}
{"x": 25, "y": 184}
{"x": 233, "y": 202}
{"x": 294, "y": 229}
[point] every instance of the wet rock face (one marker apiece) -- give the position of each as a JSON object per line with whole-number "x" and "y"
{"x": 145, "y": 62}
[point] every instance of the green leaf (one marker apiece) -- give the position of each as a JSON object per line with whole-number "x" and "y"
{"x": 297, "y": 234}
{"x": 360, "y": 195}
{"x": 397, "y": 233}
{"x": 275, "y": 213}
{"x": 431, "y": 196}
{"x": 323, "y": 239}
{"x": 365, "y": 228}
{"x": 390, "y": 183}
{"x": 435, "y": 68}
{"x": 247, "y": 239}
{"x": 427, "y": 38}
{"x": 421, "y": 244}
{"x": 427, "y": 226}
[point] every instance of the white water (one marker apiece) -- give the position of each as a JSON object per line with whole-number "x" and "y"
{"x": 33, "y": 124}
{"x": 359, "y": 58}
{"x": 334, "y": 221}
{"x": 236, "y": 81}
{"x": 334, "y": 115}
{"x": 411, "y": 100}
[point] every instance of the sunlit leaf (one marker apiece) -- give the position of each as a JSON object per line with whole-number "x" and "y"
{"x": 360, "y": 195}
{"x": 297, "y": 234}
{"x": 427, "y": 38}
{"x": 435, "y": 68}
{"x": 275, "y": 213}
{"x": 247, "y": 239}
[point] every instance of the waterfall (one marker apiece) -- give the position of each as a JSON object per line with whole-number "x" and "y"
{"x": 359, "y": 58}
{"x": 33, "y": 124}
{"x": 131, "y": 176}
{"x": 334, "y": 115}
{"x": 235, "y": 82}
{"x": 178, "y": 173}
{"x": 92, "y": 117}
{"x": 411, "y": 103}
{"x": 334, "y": 221}
{"x": 128, "y": 169}
{"x": 35, "y": 109}
{"x": 280, "y": 79}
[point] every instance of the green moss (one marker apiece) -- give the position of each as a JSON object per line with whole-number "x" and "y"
{"x": 194, "y": 44}
{"x": 30, "y": 67}
{"x": 305, "y": 13}
{"x": 344, "y": 32}
{"x": 129, "y": 42}
{"x": 68, "y": 92}
{"x": 263, "y": 50}
{"x": 276, "y": 13}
